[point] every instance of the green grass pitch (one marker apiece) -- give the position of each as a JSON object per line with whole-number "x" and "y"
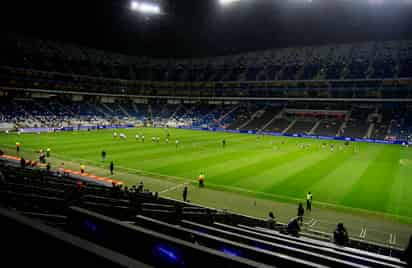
{"x": 366, "y": 176}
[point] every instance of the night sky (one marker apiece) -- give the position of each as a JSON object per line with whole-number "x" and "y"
{"x": 198, "y": 28}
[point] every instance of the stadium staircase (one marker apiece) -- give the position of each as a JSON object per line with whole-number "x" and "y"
{"x": 102, "y": 111}
{"x": 370, "y": 131}
{"x": 135, "y": 109}
{"x": 224, "y": 116}
{"x": 261, "y": 119}
{"x": 252, "y": 117}
{"x": 124, "y": 110}
{"x": 343, "y": 126}
{"x": 278, "y": 115}
{"x": 289, "y": 126}
{"x": 175, "y": 111}
{"x": 312, "y": 131}
{"x": 107, "y": 107}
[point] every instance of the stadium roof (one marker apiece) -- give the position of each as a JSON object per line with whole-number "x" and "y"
{"x": 190, "y": 28}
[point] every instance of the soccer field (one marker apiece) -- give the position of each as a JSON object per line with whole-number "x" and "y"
{"x": 367, "y": 176}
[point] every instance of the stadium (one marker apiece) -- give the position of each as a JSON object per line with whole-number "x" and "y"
{"x": 235, "y": 133}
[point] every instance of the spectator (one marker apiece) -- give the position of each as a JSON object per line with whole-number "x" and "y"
{"x": 48, "y": 167}
{"x": 185, "y": 193}
{"x": 407, "y": 254}
{"x": 111, "y": 167}
{"x": 2, "y": 178}
{"x": 271, "y": 222}
{"x": 309, "y": 201}
{"x": 301, "y": 212}
{"x": 82, "y": 168}
{"x": 140, "y": 187}
{"x": 22, "y": 162}
{"x": 61, "y": 169}
{"x": 340, "y": 235}
{"x": 293, "y": 226}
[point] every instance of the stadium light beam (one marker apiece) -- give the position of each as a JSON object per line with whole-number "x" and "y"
{"x": 146, "y": 7}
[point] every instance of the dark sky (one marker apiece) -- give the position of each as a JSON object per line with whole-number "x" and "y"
{"x": 203, "y": 28}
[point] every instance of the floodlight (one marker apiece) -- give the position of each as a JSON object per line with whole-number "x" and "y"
{"x": 146, "y": 7}
{"x": 226, "y": 2}
{"x": 134, "y": 5}
{"x": 149, "y": 8}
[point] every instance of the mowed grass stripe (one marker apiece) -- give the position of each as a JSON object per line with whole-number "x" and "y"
{"x": 261, "y": 170}
{"x": 298, "y": 184}
{"x": 373, "y": 188}
{"x": 341, "y": 180}
{"x": 281, "y": 170}
{"x": 204, "y": 159}
{"x": 400, "y": 197}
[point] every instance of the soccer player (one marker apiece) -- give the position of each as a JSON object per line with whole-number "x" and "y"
{"x": 137, "y": 137}
{"x": 177, "y": 143}
{"x": 309, "y": 201}
{"x": 224, "y": 143}
{"x": 18, "y": 147}
{"x": 153, "y": 139}
{"x": 48, "y": 151}
{"x": 143, "y": 138}
{"x": 114, "y": 134}
{"x": 103, "y": 155}
{"x": 167, "y": 140}
{"x": 111, "y": 167}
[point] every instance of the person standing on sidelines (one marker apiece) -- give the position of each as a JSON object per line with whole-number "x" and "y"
{"x": 111, "y": 167}
{"x": 184, "y": 193}
{"x": 103, "y": 155}
{"x": 82, "y": 168}
{"x": 309, "y": 201}
{"x": 18, "y": 147}
{"x": 201, "y": 180}
{"x": 301, "y": 212}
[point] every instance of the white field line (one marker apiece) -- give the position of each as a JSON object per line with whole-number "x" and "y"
{"x": 309, "y": 222}
{"x": 314, "y": 223}
{"x": 143, "y": 172}
{"x": 361, "y": 233}
{"x": 171, "y": 188}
